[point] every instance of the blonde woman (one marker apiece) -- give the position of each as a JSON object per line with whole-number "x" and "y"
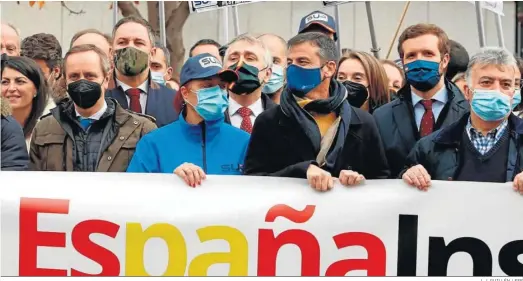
{"x": 360, "y": 71}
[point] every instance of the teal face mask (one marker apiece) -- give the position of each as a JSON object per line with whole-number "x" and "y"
{"x": 158, "y": 77}
{"x": 275, "y": 82}
{"x": 516, "y": 100}
{"x": 490, "y": 105}
{"x": 212, "y": 103}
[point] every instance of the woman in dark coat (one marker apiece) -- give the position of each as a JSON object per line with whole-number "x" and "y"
{"x": 14, "y": 155}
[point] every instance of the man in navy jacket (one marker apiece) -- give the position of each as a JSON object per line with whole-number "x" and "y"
{"x": 134, "y": 89}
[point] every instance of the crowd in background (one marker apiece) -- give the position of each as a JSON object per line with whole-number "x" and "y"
{"x": 262, "y": 105}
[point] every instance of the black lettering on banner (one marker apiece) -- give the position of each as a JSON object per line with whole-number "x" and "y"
{"x": 439, "y": 255}
{"x": 407, "y": 245}
{"x": 508, "y": 258}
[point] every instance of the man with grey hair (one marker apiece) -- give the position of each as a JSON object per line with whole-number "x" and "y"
{"x": 10, "y": 40}
{"x": 315, "y": 134}
{"x": 133, "y": 47}
{"x": 483, "y": 145}
{"x": 89, "y": 132}
{"x": 161, "y": 69}
{"x": 251, "y": 59}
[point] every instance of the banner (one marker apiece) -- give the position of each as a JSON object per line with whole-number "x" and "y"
{"x": 112, "y": 224}
{"x": 205, "y": 6}
{"x": 494, "y": 6}
{"x": 335, "y": 3}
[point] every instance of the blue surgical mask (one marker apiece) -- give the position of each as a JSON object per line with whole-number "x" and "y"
{"x": 423, "y": 75}
{"x": 301, "y": 81}
{"x": 516, "y": 100}
{"x": 212, "y": 103}
{"x": 158, "y": 77}
{"x": 275, "y": 82}
{"x": 490, "y": 105}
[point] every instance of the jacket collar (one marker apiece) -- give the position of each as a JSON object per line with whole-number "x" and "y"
{"x": 5, "y": 109}
{"x": 151, "y": 83}
{"x": 451, "y": 135}
{"x": 66, "y": 109}
{"x": 212, "y": 128}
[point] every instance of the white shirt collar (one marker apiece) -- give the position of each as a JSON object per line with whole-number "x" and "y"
{"x": 256, "y": 107}
{"x": 125, "y": 87}
{"x": 97, "y": 115}
{"x": 440, "y": 96}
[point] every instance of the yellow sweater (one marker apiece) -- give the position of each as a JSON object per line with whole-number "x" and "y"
{"x": 324, "y": 121}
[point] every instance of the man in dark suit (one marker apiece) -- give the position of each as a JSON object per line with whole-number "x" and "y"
{"x": 252, "y": 60}
{"x": 133, "y": 45}
{"x": 315, "y": 133}
{"x": 427, "y": 102}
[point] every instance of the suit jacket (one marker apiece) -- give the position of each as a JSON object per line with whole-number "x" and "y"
{"x": 160, "y": 100}
{"x": 397, "y": 125}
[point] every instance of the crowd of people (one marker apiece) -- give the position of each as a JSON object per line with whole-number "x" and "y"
{"x": 262, "y": 105}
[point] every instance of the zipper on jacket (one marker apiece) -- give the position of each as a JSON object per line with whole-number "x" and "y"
{"x": 204, "y": 148}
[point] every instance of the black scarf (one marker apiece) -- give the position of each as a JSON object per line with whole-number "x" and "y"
{"x": 335, "y": 103}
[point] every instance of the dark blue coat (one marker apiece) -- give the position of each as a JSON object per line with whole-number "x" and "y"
{"x": 14, "y": 150}
{"x": 439, "y": 152}
{"x": 160, "y": 102}
{"x": 397, "y": 125}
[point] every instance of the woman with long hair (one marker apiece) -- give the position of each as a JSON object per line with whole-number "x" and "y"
{"x": 358, "y": 70}
{"x": 24, "y": 86}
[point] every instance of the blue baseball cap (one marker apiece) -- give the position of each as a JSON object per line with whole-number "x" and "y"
{"x": 319, "y": 18}
{"x": 205, "y": 66}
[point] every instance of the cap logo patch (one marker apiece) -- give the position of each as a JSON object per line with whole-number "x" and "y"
{"x": 209, "y": 62}
{"x": 317, "y": 17}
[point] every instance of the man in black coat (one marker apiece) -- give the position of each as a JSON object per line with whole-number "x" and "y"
{"x": 14, "y": 156}
{"x": 315, "y": 133}
{"x": 483, "y": 146}
{"x": 427, "y": 102}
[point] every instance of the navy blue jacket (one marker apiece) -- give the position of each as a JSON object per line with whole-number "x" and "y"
{"x": 160, "y": 102}
{"x": 215, "y": 146}
{"x": 398, "y": 128}
{"x": 14, "y": 150}
{"x": 439, "y": 152}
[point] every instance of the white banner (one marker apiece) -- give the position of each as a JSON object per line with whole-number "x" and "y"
{"x": 142, "y": 224}
{"x": 205, "y": 6}
{"x": 494, "y": 6}
{"x": 335, "y": 3}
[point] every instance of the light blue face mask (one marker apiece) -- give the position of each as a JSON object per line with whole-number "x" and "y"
{"x": 212, "y": 103}
{"x": 275, "y": 82}
{"x": 158, "y": 77}
{"x": 490, "y": 105}
{"x": 516, "y": 100}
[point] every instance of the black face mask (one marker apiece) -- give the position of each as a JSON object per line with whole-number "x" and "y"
{"x": 248, "y": 80}
{"x": 84, "y": 93}
{"x": 357, "y": 93}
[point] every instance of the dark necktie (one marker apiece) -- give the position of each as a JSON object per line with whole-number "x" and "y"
{"x": 245, "y": 113}
{"x": 134, "y": 96}
{"x": 427, "y": 121}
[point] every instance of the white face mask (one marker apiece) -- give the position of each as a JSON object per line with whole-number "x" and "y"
{"x": 158, "y": 77}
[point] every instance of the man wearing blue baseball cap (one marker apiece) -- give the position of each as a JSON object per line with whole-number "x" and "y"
{"x": 319, "y": 22}
{"x": 199, "y": 142}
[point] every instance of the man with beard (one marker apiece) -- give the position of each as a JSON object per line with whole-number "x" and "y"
{"x": 88, "y": 133}
{"x": 427, "y": 102}
{"x": 315, "y": 133}
{"x": 252, "y": 61}
{"x": 133, "y": 45}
